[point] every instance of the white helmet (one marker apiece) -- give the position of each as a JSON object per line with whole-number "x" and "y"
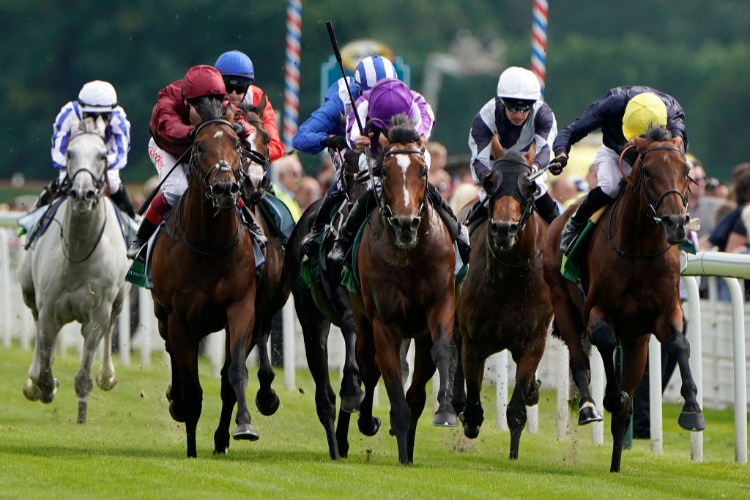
{"x": 519, "y": 83}
{"x": 97, "y": 97}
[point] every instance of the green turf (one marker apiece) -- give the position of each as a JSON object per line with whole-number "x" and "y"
{"x": 130, "y": 448}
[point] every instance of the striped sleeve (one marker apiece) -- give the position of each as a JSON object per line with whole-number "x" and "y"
{"x": 545, "y": 131}
{"x": 483, "y": 128}
{"x": 118, "y": 143}
{"x": 66, "y": 119}
{"x": 352, "y": 130}
{"x": 424, "y": 111}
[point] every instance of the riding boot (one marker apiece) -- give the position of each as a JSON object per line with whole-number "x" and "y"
{"x": 459, "y": 233}
{"x": 46, "y": 196}
{"x": 122, "y": 201}
{"x": 357, "y": 215}
{"x": 593, "y": 201}
{"x": 322, "y": 218}
{"x": 253, "y": 227}
{"x": 547, "y": 208}
{"x": 145, "y": 231}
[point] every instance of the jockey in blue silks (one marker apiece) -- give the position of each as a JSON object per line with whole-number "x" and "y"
{"x": 96, "y": 98}
{"x": 326, "y": 129}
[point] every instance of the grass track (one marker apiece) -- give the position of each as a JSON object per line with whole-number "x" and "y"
{"x": 130, "y": 448}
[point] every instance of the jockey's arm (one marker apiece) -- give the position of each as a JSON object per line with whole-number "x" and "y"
{"x": 275, "y": 146}
{"x": 61, "y": 133}
{"x": 119, "y": 143}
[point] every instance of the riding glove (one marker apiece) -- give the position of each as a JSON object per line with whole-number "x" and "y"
{"x": 334, "y": 142}
{"x": 556, "y": 166}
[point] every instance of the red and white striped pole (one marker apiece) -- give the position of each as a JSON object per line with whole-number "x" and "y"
{"x": 291, "y": 70}
{"x": 539, "y": 40}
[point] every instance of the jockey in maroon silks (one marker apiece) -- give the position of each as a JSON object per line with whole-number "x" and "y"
{"x": 172, "y": 135}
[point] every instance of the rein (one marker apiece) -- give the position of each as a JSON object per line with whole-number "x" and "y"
{"x": 385, "y": 209}
{"x": 221, "y": 166}
{"x": 176, "y": 234}
{"x": 526, "y": 201}
{"x": 96, "y": 244}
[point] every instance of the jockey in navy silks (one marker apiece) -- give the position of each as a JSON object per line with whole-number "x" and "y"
{"x": 622, "y": 114}
{"x": 388, "y": 98}
{"x": 326, "y": 129}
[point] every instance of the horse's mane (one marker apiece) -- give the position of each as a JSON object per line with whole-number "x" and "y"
{"x": 657, "y": 133}
{"x": 403, "y": 130}
{"x": 209, "y": 108}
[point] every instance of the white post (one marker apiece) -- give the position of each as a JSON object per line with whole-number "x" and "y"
{"x": 713, "y": 315}
{"x": 501, "y": 389}
{"x": 146, "y": 318}
{"x": 5, "y": 284}
{"x": 532, "y": 416}
{"x": 563, "y": 391}
{"x": 123, "y": 331}
{"x": 696, "y": 354}
{"x": 290, "y": 356}
{"x": 654, "y": 394}
{"x": 215, "y": 349}
{"x": 740, "y": 377}
{"x": 28, "y": 328}
{"x": 597, "y": 392}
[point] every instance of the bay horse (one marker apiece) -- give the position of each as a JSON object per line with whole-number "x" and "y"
{"x": 204, "y": 278}
{"x": 405, "y": 267}
{"x": 504, "y": 302}
{"x": 316, "y": 314}
{"x": 630, "y": 275}
{"x": 272, "y": 290}
{"x": 77, "y": 271}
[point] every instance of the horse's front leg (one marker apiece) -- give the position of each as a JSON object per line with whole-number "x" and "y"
{"x": 106, "y": 378}
{"x": 603, "y": 336}
{"x": 351, "y": 392}
{"x": 368, "y": 424}
{"x": 424, "y": 369}
{"x": 472, "y": 361}
{"x": 41, "y": 385}
{"x": 241, "y": 318}
{"x": 266, "y": 399}
{"x": 671, "y": 333}
{"x": 92, "y": 335}
{"x": 526, "y": 392}
{"x": 187, "y": 400}
{"x": 228, "y": 400}
{"x": 459, "y": 382}
{"x": 440, "y": 323}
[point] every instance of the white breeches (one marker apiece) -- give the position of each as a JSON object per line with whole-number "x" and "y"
{"x": 176, "y": 184}
{"x": 608, "y": 175}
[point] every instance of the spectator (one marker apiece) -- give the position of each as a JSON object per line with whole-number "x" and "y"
{"x": 439, "y": 155}
{"x": 464, "y": 176}
{"x": 591, "y": 179}
{"x": 716, "y": 189}
{"x": 700, "y": 206}
{"x": 288, "y": 172}
{"x": 309, "y": 192}
{"x": 326, "y": 172}
{"x": 563, "y": 191}
{"x": 442, "y": 181}
{"x": 466, "y": 193}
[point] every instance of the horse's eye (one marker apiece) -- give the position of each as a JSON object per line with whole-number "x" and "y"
{"x": 424, "y": 171}
{"x": 646, "y": 173}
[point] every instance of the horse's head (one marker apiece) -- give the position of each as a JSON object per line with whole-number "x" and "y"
{"x": 404, "y": 181}
{"x": 87, "y": 164}
{"x": 255, "y": 159}
{"x": 511, "y": 199}
{"x": 216, "y": 152}
{"x": 662, "y": 171}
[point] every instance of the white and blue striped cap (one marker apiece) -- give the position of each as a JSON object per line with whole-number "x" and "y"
{"x": 371, "y": 70}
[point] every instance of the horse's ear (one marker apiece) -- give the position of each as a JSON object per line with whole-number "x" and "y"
{"x": 677, "y": 141}
{"x": 497, "y": 149}
{"x": 530, "y": 154}
{"x": 229, "y": 113}
{"x": 640, "y": 143}
{"x": 489, "y": 182}
{"x": 261, "y": 107}
{"x": 101, "y": 127}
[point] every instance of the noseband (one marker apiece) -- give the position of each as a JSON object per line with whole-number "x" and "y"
{"x": 221, "y": 166}
{"x": 385, "y": 209}
{"x": 99, "y": 183}
{"x": 516, "y": 191}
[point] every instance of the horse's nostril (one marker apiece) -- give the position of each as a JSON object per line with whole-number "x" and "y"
{"x": 90, "y": 194}
{"x": 234, "y": 189}
{"x": 415, "y": 223}
{"x": 513, "y": 229}
{"x": 74, "y": 194}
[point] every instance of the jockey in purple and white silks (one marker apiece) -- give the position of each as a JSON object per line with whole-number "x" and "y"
{"x": 520, "y": 118}
{"x": 326, "y": 129}
{"x": 378, "y": 106}
{"x": 96, "y": 98}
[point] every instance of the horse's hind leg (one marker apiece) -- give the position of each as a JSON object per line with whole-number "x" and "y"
{"x": 241, "y": 318}
{"x": 187, "y": 404}
{"x": 351, "y": 393}
{"x": 603, "y": 337}
{"x": 106, "y": 378}
{"x": 691, "y": 418}
{"x": 92, "y": 335}
{"x": 459, "y": 389}
{"x": 634, "y": 355}
{"x": 526, "y": 392}
{"x": 266, "y": 399}
{"x": 228, "y": 400}
{"x": 368, "y": 424}
{"x": 424, "y": 369}
{"x": 473, "y": 368}
{"x": 440, "y": 322}
{"x": 41, "y": 385}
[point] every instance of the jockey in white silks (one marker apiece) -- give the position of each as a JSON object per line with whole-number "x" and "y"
{"x": 96, "y": 98}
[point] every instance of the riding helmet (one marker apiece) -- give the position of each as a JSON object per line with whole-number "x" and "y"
{"x": 390, "y": 98}
{"x": 643, "y": 111}
{"x": 97, "y": 97}
{"x": 371, "y": 70}
{"x": 519, "y": 83}
{"x": 203, "y": 80}
{"x": 236, "y": 68}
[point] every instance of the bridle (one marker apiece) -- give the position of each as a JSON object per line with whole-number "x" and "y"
{"x": 384, "y": 207}
{"x": 524, "y": 197}
{"x": 220, "y": 166}
{"x": 257, "y": 157}
{"x": 102, "y": 182}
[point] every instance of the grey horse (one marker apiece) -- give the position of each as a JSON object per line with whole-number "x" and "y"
{"x": 77, "y": 272}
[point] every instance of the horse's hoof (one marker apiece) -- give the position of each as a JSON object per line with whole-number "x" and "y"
{"x": 617, "y": 402}
{"x": 245, "y": 432}
{"x": 350, "y": 404}
{"x": 175, "y": 413}
{"x": 31, "y": 390}
{"x": 471, "y": 431}
{"x": 588, "y": 413}
{"x": 221, "y": 452}
{"x": 445, "y": 419}
{"x": 48, "y": 397}
{"x": 105, "y": 383}
{"x": 267, "y": 406}
{"x": 374, "y": 426}
{"x": 692, "y": 420}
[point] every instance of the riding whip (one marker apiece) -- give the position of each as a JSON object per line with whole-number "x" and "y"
{"x": 335, "y": 45}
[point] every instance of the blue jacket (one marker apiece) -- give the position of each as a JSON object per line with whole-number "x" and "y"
{"x": 329, "y": 119}
{"x": 607, "y": 114}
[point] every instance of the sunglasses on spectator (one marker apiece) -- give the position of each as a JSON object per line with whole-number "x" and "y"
{"x": 517, "y": 106}
{"x": 239, "y": 88}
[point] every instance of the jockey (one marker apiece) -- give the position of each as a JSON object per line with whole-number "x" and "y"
{"x": 623, "y": 113}
{"x": 519, "y": 118}
{"x": 388, "y": 98}
{"x": 326, "y": 128}
{"x": 239, "y": 75}
{"x": 96, "y": 98}
{"x": 172, "y": 136}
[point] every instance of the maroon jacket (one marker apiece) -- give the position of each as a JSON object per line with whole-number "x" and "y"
{"x": 170, "y": 122}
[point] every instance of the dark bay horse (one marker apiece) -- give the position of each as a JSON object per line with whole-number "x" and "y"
{"x": 316, "y": 313}
{"x": 504, "y": 302}
{"x": 272, "y": 290}
{"x": 406, "y": 265}
{"x": 204, "y": 278}
{"x": 630, "y": 274}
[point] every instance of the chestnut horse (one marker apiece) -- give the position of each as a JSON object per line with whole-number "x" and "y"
{"x": 272, "y": 289}
{"x": 630, "y": 274}
{"x": 316, "y": 313}
{"x": 504, "y": 301}
{"x": 405, "y": 266}
{"x": 204, "y": 278}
